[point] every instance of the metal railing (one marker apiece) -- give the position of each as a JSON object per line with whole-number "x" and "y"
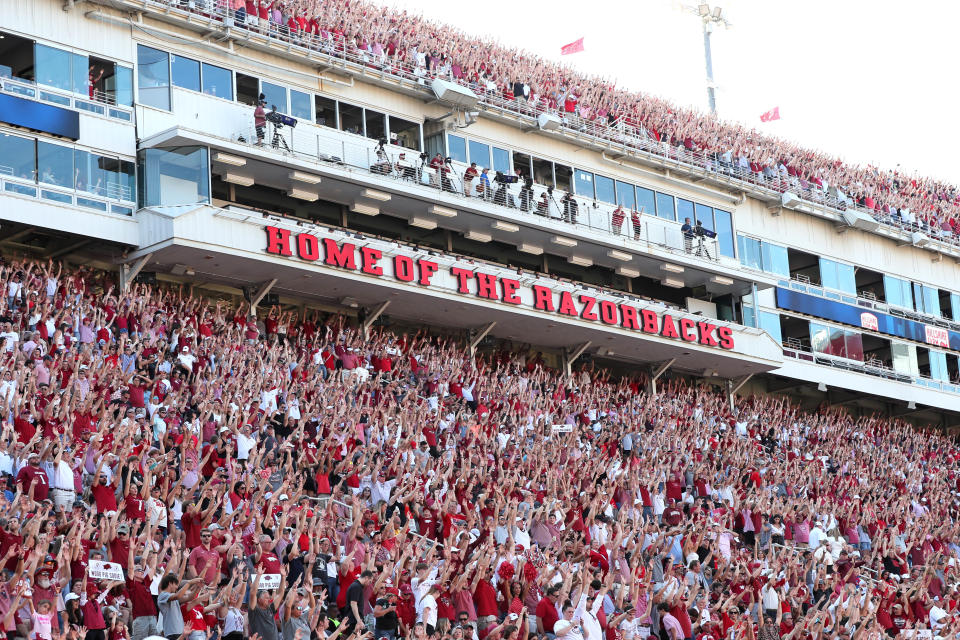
{"x": 100, "y": 103}
{"x": 620, "y": 136}
{"x": 535, "y": 205}
{"x": 874, "y": 367}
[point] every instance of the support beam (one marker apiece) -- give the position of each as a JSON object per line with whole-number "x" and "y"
{"x": 735, "y": 385}
{"x": 372, "y": 316}
{"x": 655, "y": 374}
{"x": 476, "y": 335}
{"x": 570, "y": 356}
{"x": 19, "y": 234}
{"x": 129, "y": 271}
{"x": 56, "y": 253}
{"x": 263, "y": 290}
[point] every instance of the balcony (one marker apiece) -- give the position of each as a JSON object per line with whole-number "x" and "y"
{"x": 349, "y": 171}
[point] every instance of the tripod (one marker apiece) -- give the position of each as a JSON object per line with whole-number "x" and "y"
{"x": 702, "y": 250}
{"x": 278, "y": 140}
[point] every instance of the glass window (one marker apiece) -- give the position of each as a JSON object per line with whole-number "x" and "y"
{"x": 276, "y": 96}
{"x": 376, "y": 124}
{"x": 955, "y": 306}
{"x": 646, "y": 201}
{"x": 351, "y": 118}
{"x": 705, "y": 215}
{"x": 583, "y": 183}
{"x": 938, "y": 366}
{"x": 820, "y": 338}
{"x": 300, "y": 105}
{"x": 123, "y": 86}
{"x": 174, "y": 176}
{"x": 85, "y": 77}
{"x": 750, "y": 252}
{"x": 89, "y": 172}
{"x": 501, "y": 160}
{"x": 837, "y": 276}
{"x": 457, "y": 148}
{"x": 927, "y": 299}
{"x": 563, "y": 175}
{"x": 897, "y": 292}
{"x": 665, "y": 207}
{"x": 217, "y": 81}
{"x": 684, "y": 210}
{"x": 405, "y": 133}
{"x": 904, "y": 358}
{"x": 185, "y": 73}
{"x": 770, "y": 322}
{"x": 723, "y": 222}
{"x": 119, "y": 175}
{"x": 248, "y": 89}
{"x": 606, "y": 191}
{"x": 55, "y": 164}
{"x": 542, "y": 171}
{"x": 433, "y": 144}
{"x": 625, "y": 195}
{"x": 18, "y": 157}
{"x": 523, "y": 164}
{"x": 153, "y": 77}
{"x": 480, "y": 153}
{"x": 326, "y": 111}
{"x": 853, "y": 345}
{"x": 775, "y": 259}
{"x": 53, "y": 67}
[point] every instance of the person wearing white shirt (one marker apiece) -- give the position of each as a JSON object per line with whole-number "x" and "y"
{"x": 62, "y": 488}
{"x": 245, "y": 443}
{"x": 569, "y": 626}
{"x": 591, "y": 624}
{"x": 816, "y": 535}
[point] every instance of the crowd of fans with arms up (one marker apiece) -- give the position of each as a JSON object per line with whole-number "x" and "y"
{"x": 282, "y": 475}
{"x": 399, "y": 41}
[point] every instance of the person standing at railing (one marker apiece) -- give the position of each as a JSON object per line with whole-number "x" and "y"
{"x": 260, "y": 119}
{"x": 468, "y": 177}
{"x": 635, "y": 222}
{"x": 688, "y": 235}
{"x": 618, "y": 217}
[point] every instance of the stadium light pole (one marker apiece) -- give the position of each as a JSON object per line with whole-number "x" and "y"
{"x": 709, "y": 17}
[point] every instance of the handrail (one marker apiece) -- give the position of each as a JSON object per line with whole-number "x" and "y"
{"x": 619, "y": 135}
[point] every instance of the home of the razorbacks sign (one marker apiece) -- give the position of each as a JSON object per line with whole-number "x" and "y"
{"x": 480, "y": 281}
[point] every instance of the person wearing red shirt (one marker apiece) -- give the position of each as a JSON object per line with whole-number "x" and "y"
{"x": 546, "y": 612}
{"x": 144, "y": 610}
{"x": 485, "y": 598}
{"x": 33, "y": 480}
{"x": 204, "y": 560}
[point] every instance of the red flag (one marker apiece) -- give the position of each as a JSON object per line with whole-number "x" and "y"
{"x": 769, "y": 116}
{"x": 573, "y": 47}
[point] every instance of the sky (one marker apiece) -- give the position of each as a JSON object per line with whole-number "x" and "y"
{"x": 871, "y": 82}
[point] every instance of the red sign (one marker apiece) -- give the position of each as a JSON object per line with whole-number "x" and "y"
{"x": 869, "y": 321}
{"x": 474, "y": 281}
{"x": 937, "y": 336}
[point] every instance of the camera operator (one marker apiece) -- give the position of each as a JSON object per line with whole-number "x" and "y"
{"x": 688, "y": 235}
{"x": 468, "y": 177}
{"x": 543, "y": 206}
{"x": 260, "y": 119}
{"x": 502, "y": 196}
{"x": 526, "y": 193}
{"x": 382, "y": 165}
{"x": 570, "y": 208}
{"x": 446, "y": 178}
{"x": 483, "y": 186}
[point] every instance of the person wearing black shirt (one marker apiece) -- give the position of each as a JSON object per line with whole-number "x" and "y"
{"x": 385, "y": 612}
{"x": 353, "y": 611}
{"x": 688, "y": 234}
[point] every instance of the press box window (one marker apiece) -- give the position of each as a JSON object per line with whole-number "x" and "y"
{"x": 248, "y": 88}
{"x": 185, "y": 73}
{"x": 153, "y": 77}
{"x": 405, "y": 133}
{"x": 276, "y": 97}
{"x": 376, "y": 124}
{"x": 326, "y": 111}
{"x": 300, "y": 105}
{"x": 457, "y": 148}
{"x": 217, "y": 81}
{"x": 351, "y": 118}
{"x": 174, "y": 176}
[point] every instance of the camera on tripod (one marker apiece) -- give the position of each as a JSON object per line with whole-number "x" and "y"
{"x": 504, "y": 179}
{"x": 280, "y": 120}
{"x": 703, "y": 232}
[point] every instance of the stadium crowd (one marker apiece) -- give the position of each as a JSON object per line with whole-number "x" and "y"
{"x": 285, "y": 476}
{"x": 401, "y": 42}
